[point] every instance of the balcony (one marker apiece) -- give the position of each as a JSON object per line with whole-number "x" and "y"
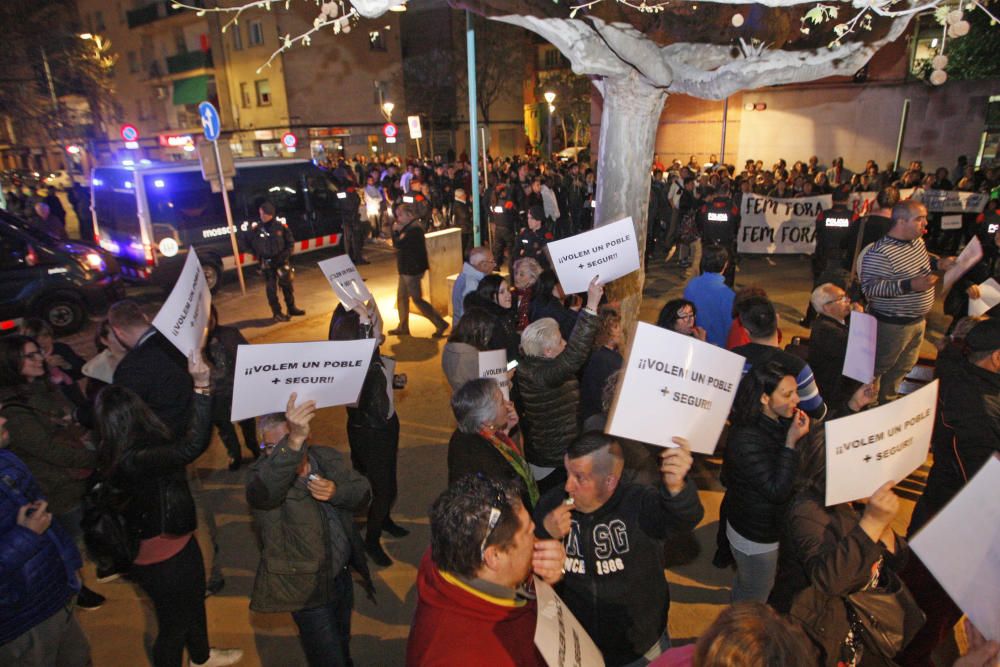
{"x": 157, "y": 10}
{"x": 185, "y": 62}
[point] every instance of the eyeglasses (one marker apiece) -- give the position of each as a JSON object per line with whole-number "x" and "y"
{"x": 267, "y": 447}
{"x": 496, "y": 510}
{"x": 685, "y": 316}
{"x": 839, "y": 299}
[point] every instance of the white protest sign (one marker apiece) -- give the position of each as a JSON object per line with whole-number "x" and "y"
{"x": 559, "y": 637}
{"x": 961, "y": 548}
{"x": 674, "y": 385}
{"x": 859, "y": 362}
{"x": 493, "y": 366}
{"x": 775, "y": 226}
{"x": 866, "y": 450}
{"x": 989, "y": 296}
{"x": 345, "y": 280}
{"x": 951, "y": 222}
{"x": 183, "y": 318}
{"x": 328, "y": 372}
{"x": 953, "y": 201}
{"x": 972, "y": 253}
{"x": 610, "y": 251}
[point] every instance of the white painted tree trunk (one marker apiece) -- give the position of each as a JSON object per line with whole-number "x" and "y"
{"x": 629, "y": 120}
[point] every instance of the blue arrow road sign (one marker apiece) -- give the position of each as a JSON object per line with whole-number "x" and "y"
{"x": 210, "y": 122}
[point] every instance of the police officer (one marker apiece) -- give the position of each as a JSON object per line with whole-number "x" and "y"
{"x": 836, "y": 228}
{"x": 349, "y": 209}
{"x": 531, "y": 240}
{"x": 271, "y": 242}
{"x": 718, "y": 221}
{"x": 504, "y": 223}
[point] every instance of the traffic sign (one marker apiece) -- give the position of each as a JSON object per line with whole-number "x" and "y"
{"x": 210, "y": 122}
{"x": 390, "y": 130}
{"x": 129, "y": 132}
{"x": 289, "y": 140}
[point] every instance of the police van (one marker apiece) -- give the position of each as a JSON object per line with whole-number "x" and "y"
{"x": 150, "y": 214}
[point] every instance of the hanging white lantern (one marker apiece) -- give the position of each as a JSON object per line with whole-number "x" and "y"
{"x": 737, "y": 20}
{"x": 939, "y": 62}
{"x": 938, "y": 77}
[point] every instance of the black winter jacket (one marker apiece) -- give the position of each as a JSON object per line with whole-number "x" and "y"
{"x": 503, "y": 335}
{"x": 550, "y": 395}
{"x": 154, "y": 476}
{"x": 759, "y": 474}
{"x": 825, "y": 555}
{"x": 827, "y": 349}
{"x": 411, "y": 250}
{"x": 614, "y": 581}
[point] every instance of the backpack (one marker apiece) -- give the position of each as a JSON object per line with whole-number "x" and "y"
{"x": 110, "y": 541}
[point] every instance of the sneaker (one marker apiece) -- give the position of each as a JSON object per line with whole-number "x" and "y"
{"x": 219, "y": 657}
{"x": 377, "y": 554}
{"x": 214, "y": 585}
{"x": 399, "y": 331}
{"x": 392, "y": 528}
{"x": 88, "y": 599}
{"x": 106, "y": 575}
{"x": 296, "y": 311}
{"x": 281, "y": 317}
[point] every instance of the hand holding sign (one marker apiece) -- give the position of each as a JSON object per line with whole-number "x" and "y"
{"x": 882, "y": 508}
{"x": 298, "y": 417}
{"x": 675, "y": 464}
{"x": 595, "y": 290}
{"x": 199, "y": 369}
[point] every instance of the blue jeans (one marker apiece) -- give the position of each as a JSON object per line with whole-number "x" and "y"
{"x": 325, "y": 631}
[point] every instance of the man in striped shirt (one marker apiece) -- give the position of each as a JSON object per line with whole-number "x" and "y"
{"x": 897, "y": 279}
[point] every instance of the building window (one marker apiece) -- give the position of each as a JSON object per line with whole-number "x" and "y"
{"x": 245, "y": 95}
{"x": 256, "y": 33}
{"x": 237, "y": 37}
{"x": 133, "y": 62}
{"x": 375, "y": 41}
{"x": 140, "y": 109}
{"x": 263, "y": 87}
{"x": 552, "y": 59}
{"x": 99, "y": 21}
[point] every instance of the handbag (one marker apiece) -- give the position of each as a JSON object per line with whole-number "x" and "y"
{"x": 889, "y": 617}
{"x": 110, "y": 541}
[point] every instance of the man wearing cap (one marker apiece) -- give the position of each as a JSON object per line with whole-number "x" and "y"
{"x": 966, "y": 435}
{"x": 531, "y": 240}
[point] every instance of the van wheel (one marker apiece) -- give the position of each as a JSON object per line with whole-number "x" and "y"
{"x": 64, "y": 313}
{"x": 213, "y": 275}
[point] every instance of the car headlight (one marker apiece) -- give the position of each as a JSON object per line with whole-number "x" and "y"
{"x": 95, "y": 261}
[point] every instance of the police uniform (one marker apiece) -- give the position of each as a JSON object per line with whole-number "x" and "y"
{"x": 272, "y": 243}
{"x": 718, "y": 221}
{"x": 835, "y": 227}
{"x": 349, "y": 208}
{"x": 504, "y": 221}
{"x": 532, "y": 244}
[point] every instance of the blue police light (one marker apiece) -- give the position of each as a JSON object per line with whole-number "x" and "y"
{"x": 145, "y": 161}
{"x": 128, "y": 163}
{"x": 159, "y": 183}
{"x": 97, "y": 182}
{"x": 128, "y": 185}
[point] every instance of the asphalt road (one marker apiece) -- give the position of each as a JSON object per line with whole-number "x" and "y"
{"x": 122, "y": 630}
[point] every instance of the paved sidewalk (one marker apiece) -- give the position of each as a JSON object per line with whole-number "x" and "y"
{"x": 121, "y": 631}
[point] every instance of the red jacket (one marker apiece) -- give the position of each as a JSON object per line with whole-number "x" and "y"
{"x": 454, "y": 625}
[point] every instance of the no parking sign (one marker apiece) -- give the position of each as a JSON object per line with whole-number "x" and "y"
{"x": 289, "y": 140}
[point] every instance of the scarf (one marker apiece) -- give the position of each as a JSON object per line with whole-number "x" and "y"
{"x": 510, "y": 451}
{"x": 523, "y": 307}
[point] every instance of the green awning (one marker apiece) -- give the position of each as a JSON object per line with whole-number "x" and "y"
{"x": 193, "y": 90}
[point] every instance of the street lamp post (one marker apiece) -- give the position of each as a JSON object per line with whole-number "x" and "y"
{"x": 550, "y": 97}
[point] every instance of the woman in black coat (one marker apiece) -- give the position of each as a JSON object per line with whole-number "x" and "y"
{"x": 148, "y": 463}
{"x": 547, "y": 302}
{"x": 493, "y": 295}
{"x": 373, "y": 430}
{"x": 482, "y": 443}
{"x": 758, "y": 472}
{"x": 828, "y": 553}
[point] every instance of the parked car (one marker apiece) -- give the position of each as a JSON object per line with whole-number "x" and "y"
{"x": 60, "y": 281}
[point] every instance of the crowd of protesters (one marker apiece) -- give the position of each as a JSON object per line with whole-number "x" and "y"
{"x": 534, "y": 486}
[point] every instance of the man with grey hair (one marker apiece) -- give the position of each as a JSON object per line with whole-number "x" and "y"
{"x": 828, "y": 341}
{"x": 478, "y": 266}
{"x": 614, "y": 534}
{"x": 898, "y": 280}
{"x": 549, "y": 389}
{"x": 303, "y": 499}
